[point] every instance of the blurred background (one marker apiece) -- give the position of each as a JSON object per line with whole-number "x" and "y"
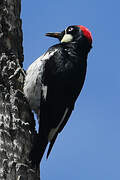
{"x": 89, "y": 145}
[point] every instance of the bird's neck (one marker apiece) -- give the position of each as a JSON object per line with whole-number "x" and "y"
{"x": 80, "y": 48}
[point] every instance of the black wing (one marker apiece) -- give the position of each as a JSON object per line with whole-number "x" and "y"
{"x": 63, "y": 79}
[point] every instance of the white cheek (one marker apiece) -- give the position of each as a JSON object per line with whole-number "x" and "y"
{"x": 67, "y": 38}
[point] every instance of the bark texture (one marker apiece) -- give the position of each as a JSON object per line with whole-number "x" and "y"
{"x": 17, "y": 128}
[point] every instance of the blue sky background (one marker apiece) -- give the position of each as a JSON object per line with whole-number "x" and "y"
{"x": 89, "y": 146}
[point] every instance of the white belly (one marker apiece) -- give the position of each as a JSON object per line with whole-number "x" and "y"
{"x": 33, "y": 81}
{"x": 32, "y": 86}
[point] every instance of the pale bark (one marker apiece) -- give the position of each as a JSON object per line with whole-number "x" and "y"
{"x": 17, "y": 126}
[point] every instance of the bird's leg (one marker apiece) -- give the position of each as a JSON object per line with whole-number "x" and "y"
{"x": 38, "y": 115}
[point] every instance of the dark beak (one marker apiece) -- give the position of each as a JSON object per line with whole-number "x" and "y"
{"x": 55, "y": 35}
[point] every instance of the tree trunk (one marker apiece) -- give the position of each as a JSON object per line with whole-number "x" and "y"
{"x": 17, "y": 125}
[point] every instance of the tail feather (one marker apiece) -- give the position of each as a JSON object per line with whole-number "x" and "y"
{"x": 37, "y": 151}
{"x": 51, "y": 145}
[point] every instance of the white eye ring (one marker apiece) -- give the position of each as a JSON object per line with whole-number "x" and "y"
{"x": 70, "y": 29}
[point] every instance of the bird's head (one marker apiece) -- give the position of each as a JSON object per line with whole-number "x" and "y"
{"x": 74, "y": 33}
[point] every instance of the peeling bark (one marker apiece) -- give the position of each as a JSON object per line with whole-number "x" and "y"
{"x": 17, "y": 125}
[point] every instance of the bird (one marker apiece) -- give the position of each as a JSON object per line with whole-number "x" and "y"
{"x": 53, "y": 83}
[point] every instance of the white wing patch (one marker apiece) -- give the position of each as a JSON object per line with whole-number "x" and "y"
{"x": 44, "y": 89}
{"x": 54, "y": 130}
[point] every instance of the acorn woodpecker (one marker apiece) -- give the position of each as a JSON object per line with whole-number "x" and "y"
{"x": 53, "y": 83}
